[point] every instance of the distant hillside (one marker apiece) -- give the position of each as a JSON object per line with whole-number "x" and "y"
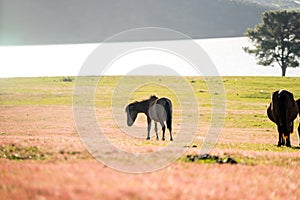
{"x": 89, "y": 21}
{"x": 277, "y": 3}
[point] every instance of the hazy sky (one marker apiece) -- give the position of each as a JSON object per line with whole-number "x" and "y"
{"x": 66, "y": 60}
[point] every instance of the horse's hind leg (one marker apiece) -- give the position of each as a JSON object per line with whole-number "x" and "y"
{"x": 299, "y": 133}
{"x": 149, "y": 128}
{"x": 163, "y": 130}
{"x": 280, "y": 139}
{"x": 170, "y": 130}
{"x": 288, "y": 141}
{"x": 156, "y": 130}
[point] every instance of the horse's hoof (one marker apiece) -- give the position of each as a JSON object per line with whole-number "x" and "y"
{"x": 288, "y": 145}
{"x": 279, "y": 144}
{"x": 171, "y": 139}
{"x": 157, "y": 138}
{"x": 148, "y": 138}
{"x": 163, "y": 139}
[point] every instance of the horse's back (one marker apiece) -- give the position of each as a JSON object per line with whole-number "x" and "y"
{"x": 165, "y": 102}
{"x": 282, "y": 103}
{"x": 290, "y": 104}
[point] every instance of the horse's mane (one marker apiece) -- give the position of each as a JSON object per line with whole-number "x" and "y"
{"x": 153, "y": 97}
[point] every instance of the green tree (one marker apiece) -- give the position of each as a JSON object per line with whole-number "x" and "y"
{"x": 276, "y": 39}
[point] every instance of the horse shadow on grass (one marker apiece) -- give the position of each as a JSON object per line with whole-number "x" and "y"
{"x": 296, "y": 147}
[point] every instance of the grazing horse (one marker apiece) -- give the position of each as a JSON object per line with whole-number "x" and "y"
{"x": 282, "y": 111}
{"x": 158, "y": 110}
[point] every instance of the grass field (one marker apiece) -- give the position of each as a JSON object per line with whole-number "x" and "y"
{"x": 42, "y": 156}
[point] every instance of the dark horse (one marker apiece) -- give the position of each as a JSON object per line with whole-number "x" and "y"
{"x": 298, "y": 104}
{"x": 158, "y": 110}
{"x": 283, "y": 110}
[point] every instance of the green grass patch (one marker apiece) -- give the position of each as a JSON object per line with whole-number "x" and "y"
{"x": 36, "y": 91}
{"x": 256, "y": 147}
{"x": 208, "y": 159}
{"x": 237, "y": 158}
{"x": 14, "y": 152}
{"x": 18, "y": 152}
{"x": 245, "y": 120}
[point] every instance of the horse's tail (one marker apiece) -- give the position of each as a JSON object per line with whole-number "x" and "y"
{"x": 168, "y": 107}
{"x": 283, "y": 100}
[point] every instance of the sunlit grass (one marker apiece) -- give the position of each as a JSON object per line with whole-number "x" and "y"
{"x": 246, "y": 97}
{"x": 35, "y": 91}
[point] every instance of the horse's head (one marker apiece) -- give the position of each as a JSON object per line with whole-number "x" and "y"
{"x": 131, "y": 114}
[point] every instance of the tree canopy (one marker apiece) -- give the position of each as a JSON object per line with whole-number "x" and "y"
{"x": 276, "y": 39}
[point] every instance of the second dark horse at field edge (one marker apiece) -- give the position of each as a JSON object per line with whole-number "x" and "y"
{"x": 156, "y": 109}
{"x": 298, "y": 104}
{"x": 283, "y": 110}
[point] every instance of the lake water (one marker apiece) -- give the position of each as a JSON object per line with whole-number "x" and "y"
{"x": 66, "y": 60}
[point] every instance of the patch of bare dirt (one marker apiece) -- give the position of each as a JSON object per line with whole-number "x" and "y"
{"x": 37, "y": 120}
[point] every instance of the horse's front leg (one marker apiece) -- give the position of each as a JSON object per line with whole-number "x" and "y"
{"x": 149, "y": 127}
{"x": 156, "y": 130}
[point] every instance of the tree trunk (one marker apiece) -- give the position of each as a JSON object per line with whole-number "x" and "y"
{"x": 283, "y": 69}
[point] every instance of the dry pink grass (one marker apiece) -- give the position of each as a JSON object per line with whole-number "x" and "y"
{"x": 88, "y": 179}
{"x": 52, "y": 129}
